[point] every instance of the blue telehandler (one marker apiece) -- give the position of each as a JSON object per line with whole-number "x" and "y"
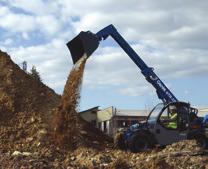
{"x": 168, "y": 122}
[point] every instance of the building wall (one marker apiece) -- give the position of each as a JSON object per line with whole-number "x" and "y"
{"x": 105, "y": 114}
{"x": 104, "y": 120}
{"x": 89, "y": 116}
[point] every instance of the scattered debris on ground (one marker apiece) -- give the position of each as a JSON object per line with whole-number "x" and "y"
{"x": 32, "y": 115}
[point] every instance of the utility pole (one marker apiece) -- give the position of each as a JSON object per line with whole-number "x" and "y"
{"x": 24, "y": 66}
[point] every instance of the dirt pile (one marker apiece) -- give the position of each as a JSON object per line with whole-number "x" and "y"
{"x": 170, "y": 157}
{"x": 19, "y": 92}
{"x": 183, "y": 154}
{"x": 26, "y": 108}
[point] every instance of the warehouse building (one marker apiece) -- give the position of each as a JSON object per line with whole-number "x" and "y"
{"x": 90, "y": 115}
{"x": 111, "y": 119}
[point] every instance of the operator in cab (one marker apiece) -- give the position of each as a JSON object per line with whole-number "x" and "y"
{"x": 173, "y": 117}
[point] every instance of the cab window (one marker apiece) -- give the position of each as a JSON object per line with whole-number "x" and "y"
{"x": 175, "y": 117}
{"x": 168, "y": 118}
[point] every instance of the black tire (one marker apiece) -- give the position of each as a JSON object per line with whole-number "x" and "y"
{"x": 139, "y": 143}
{"x": 202, "y": 142}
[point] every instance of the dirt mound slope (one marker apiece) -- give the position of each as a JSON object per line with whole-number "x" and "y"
{"x": 19, "y": 92}
{"x": 26, "y": 108}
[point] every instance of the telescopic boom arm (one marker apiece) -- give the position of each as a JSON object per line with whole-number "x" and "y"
{"x": 87, "y": 42}
{"x": 162, "y": 91}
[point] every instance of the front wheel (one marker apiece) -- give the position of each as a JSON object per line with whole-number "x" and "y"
{"x": 139, "y": 143}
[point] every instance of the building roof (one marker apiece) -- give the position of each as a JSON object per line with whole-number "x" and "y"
{"x": 91, "y": 109}
{"x": 202, "y": 111}
{"x": 126, "y": 112}
{"x": 203, "y": 108}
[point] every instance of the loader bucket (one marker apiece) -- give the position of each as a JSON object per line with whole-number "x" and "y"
{"x": 84, "y": 43}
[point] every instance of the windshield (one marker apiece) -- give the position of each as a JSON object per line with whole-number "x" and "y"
{"x": 155, "y": 112}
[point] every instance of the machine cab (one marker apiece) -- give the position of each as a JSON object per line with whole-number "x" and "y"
{"x": 170, "y": 123}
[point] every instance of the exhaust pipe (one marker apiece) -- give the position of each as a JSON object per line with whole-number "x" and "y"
{"x": 84, "y": 44}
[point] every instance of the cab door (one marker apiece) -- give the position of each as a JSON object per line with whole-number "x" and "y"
{"x": 168, "y": 130}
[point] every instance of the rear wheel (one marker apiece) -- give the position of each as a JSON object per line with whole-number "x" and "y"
{"x": 139, "y": 143}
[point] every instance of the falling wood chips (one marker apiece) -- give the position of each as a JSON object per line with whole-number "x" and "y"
{"x": 69, "y": 129}
{"x": 66, "y": 120}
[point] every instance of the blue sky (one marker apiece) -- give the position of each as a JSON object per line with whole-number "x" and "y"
{"x": 169, "y": 35}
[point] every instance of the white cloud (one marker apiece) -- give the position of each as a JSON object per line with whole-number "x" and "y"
{"x": 25, "y": 35}
{"x": 16, "y": 23}
{"x": 169, "y": 35}
{"x": 136, "y": 91}
{"x": 35, "y": 7}
{"x": 51, "y": 60}
{"x": 8, "y": 42}
{"x": 48, "y": 24}
{"x": 24, "y": 23}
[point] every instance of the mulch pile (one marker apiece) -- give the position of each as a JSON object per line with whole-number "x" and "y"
{"x": 26, "y": 107}
{"x": 40, "y": 129}
{"x": 19, "y": 92}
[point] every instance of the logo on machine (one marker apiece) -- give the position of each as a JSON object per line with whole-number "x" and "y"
{"x": 161, "y": 85}
{"x": 165, "y": 90}
{"x": 153, "y": 78}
